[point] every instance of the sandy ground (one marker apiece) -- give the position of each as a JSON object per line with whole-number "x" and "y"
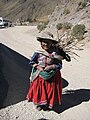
{"x": 76, "y": 94}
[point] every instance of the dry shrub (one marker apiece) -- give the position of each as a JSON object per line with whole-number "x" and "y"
{"x": 59, "y": 26}
{"x": 66, "y": 11}
{"x": 78, "y": 31}
{"x": 67, "y": 25}
{"x": 41, "y": 27}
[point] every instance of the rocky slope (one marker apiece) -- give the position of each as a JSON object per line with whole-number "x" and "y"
{"x": 69, "y": 15}
{"x": 72, "y": 12}
{"x": 26, "y": 9}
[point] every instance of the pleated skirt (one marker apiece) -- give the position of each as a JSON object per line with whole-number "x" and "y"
{"x": 46, "y": 92}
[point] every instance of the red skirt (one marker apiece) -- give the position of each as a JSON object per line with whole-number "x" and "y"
{"x": 42, "y": 92}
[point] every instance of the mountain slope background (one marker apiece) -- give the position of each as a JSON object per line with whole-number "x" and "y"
{"x": 67, "y": 12}
{"x": 70, "y": 14}
{"x": 32, "y": 9}
{"x": 26, "y": 9}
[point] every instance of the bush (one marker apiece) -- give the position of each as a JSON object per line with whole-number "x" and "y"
{"x": 29, "y": 20}
{"x": 59, "y": 26}
{"x": 79, "y": 3}
{"x": 66, "y": 11}
{"x": 67, "y": 25}
{"x": 84, "y": 4}
{"x": 46, "y": 22}
{"x": 78, "y": 31}
{"x": 41, "y": 27}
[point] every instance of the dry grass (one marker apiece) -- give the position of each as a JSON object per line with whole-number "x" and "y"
{"x": 43, "y": 19}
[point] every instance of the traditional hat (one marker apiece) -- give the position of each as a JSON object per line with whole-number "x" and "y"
{"x": 46, "y": 36}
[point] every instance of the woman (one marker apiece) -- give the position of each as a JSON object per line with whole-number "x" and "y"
{"x": 46, "y": 87}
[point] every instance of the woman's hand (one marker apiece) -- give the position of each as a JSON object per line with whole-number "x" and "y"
{"x": 35, "y": 65}
{"x": 39, "y": 68}
{"x": 49, "y": 67}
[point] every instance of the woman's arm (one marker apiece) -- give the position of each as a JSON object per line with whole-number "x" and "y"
{"x": 34, "y": 59}
{"x": 58, "y": 66}
{"x": 53, "y": 67}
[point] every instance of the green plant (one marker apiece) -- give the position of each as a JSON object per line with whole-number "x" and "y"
{"x": 41, "y": 27}
{"x": 78, "y": 31}
{"x": 59, "y": 26}
{"x": 79, "y": 3}
{"x": 46, "y": 22}
{"x": 66, "y": 11}
{"x": 67, "y": 25}
{"x": 29, "y": 20}
{"x": 84, "y": 4}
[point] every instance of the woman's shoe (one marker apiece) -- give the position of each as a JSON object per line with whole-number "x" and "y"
{"x": 39, "y": 108}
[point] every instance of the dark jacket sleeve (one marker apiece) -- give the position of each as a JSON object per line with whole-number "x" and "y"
{"x": 34, "y": 58}
{"x": 58, "y": 66}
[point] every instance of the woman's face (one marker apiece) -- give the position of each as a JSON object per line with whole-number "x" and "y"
{"x": 46, "y": 45}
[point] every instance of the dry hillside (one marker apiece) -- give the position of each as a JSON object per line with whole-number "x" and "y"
{"x": 26, "y": 9}
{"x": 71, "y": 21}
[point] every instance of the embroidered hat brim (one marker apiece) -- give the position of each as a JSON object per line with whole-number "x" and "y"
{"x": 46, "y": 36}
{"x": 41, "y": 39}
